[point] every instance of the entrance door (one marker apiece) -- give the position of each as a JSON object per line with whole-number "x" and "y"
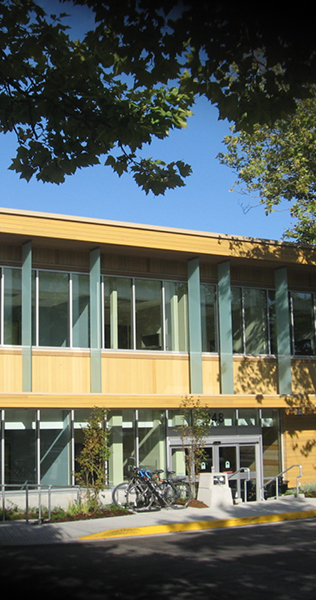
{"x": 241, "y": 459}
{"x": 239, "y": 462}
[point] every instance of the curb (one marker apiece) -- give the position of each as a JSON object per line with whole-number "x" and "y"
{"x": 199, "y": 525}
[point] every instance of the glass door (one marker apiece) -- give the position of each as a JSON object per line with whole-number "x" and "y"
{"x": 240, "y": 458}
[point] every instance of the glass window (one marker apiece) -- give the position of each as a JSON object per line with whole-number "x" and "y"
{"x": 271, "y": 443}
{"x": 208, "y": 317}
{"x": 272, "y": 322}
{"x": 12, "y": 306}
{"x": 53, "y": 308}
{"x": 151, "y": 438}
{"x": 80, "y": 311}
{"x": 255, "y": 310}
{"x": 176, "y": 316}
{"x": 224, "y": 417}
{"x": 148, "y": 315}
{"x": 303, "y": 324}
{"x": 237, "y": 320}
{"x": 247, "y": 416}
{"x": 20, "y": 446}
{"x": 55, "y": 447}
{"x": 118, "y": 313}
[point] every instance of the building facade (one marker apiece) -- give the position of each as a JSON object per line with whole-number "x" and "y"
{"x": 135, "y": 319}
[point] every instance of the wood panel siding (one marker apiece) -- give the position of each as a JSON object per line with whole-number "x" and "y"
{"x": 304, "y": 376}
{"x": 255, "y": 375}
{"x": 92, "y": 232}
{"x": 141, "y": 373}
{"x": 55, "y": 372}
{"x": 11, "y": 255}
{"x": 299, "y": 445}
{"x": 10, "y": 370}
{"x": 211, "y": 378}
{"x": 160, "y": 401}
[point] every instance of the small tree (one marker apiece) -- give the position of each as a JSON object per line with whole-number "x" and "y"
{"x": 193, "y": 432}
{"x": 93, "y": 457}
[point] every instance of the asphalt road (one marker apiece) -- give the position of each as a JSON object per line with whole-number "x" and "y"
{"x": 264, "y": 562}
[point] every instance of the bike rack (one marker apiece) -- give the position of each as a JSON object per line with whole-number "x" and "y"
{"x": 276, "y": 478}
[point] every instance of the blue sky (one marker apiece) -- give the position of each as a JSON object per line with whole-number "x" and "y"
{"x": 204, "y": 204}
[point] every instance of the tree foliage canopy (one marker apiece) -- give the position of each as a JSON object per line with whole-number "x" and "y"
{"x": 134, "y": 77}
{"x": 279, "y": 163}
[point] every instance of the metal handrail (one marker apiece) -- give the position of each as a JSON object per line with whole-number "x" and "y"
{"x": 276, "y": 481}
{"x": 27, "y": 487}
{"x": 243, "y": 470}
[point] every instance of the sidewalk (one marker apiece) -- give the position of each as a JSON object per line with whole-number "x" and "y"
{"x": 158, "y": 522}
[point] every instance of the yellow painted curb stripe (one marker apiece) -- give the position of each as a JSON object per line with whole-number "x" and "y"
{"x": 199, "y": 525}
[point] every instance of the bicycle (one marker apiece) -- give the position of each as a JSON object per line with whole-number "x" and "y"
{"x": 145, "y": 489}
{"x": 133, "y": 494}
{"x": 176, "y": 491}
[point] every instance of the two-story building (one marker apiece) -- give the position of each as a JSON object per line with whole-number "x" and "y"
{"x": 134, "y": 319}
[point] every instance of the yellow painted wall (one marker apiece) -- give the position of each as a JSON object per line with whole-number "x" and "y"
{"x": 11, "y": 371}
{"x": 61, "y": 372}
{"x": 141, "y": 373}
{"x": 299, "y": 445}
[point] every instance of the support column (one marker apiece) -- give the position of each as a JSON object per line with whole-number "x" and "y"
{"x": 283, "y": 331}
{"x": 116, "y": 448}
{"x": 27, "y": 317}
{"x": 225, "y": 329}
{"x": 195, "y": 332}
{"x": 95, "y": 321}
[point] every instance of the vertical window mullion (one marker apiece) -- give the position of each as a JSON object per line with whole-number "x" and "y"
{"x": 72, "y": 446}
{"x": 292, "y": 325}
{"x": 102, "y": 313}
{"x": 216, "y": 324}
{"x": 36, "y": 308}
{"x": 70, "y": 289}
{"x": 2, "y": 308}
{"x": 2, "y": 449}
{"x": 243, "y": 321}
{"x": 134, "y": 313}
{"x": 38, "y": 446}
{"x": 268, "y": 322}
{"x": 314, "y": 323}
{"x": 163, "y": 317}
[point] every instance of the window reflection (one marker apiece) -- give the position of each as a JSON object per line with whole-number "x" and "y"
{"x": 81, "y": 310}
{"x": 176, "y": 316}
{"x": 118, "y": 313}
{"x": 148, "y": 315}
{"x": 208, "y": 315}
{"x": 12, "y": 306}
{"x": 53, "y": 309}
{"x": 303, "y": 324}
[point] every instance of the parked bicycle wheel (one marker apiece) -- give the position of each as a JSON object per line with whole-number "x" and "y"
{"x": 139, "y": 497}
{"x": 119, "y": 494}
{"x": 183, "y": 494}
{"x": 169, "y": 493}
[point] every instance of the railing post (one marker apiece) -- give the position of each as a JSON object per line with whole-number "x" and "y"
{"x": 297, "y": 481}
{"x": 3, "y": 501}
{"x": 27, "y": 503}
{"x": 39, "y": 505}
{"x": 49, "y": 502}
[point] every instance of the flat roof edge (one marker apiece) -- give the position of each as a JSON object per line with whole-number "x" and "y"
{"x": 122, "y": 224}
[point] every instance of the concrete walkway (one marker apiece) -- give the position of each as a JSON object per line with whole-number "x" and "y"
{"x": 158, "y": 522}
